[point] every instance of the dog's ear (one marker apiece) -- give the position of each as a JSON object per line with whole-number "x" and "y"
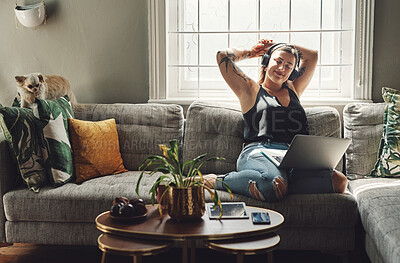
{"x": 20, "y": 79}
{"x": 41, "y": 79}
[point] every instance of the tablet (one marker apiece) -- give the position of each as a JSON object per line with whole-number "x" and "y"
{"x": 231, "y": 210}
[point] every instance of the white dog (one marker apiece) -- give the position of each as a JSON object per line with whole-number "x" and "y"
{"x": 36, "y": 85}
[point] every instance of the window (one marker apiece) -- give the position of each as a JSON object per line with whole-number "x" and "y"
{"x": 186, "y": 35}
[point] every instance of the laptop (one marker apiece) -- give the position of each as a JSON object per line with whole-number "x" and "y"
{"x": 309, "y": 152}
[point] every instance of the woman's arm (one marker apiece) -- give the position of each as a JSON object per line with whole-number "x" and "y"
{"x": 307, "y": 67}
{"x": 239, "y": 82}
{"x": 233, "y": 75}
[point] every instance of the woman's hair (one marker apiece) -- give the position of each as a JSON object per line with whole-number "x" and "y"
{"x": 286, "y": 48}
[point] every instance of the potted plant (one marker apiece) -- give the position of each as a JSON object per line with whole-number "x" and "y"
{"x": 184, "y": 183}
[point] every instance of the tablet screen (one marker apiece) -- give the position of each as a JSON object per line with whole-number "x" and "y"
{"x": 231, "y": 210}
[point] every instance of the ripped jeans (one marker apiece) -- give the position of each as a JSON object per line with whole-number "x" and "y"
{"x": 256, "y": 176}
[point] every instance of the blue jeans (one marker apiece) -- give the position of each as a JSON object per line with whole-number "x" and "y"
{"x": 256, "y": 170}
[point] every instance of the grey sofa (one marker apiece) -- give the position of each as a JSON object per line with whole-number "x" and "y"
{"x": 65, "y": 215}
{"x": 378, "y": 198}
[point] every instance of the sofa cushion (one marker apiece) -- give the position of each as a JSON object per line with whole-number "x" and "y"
{"x": 51, "y": 118}
{"x": 217, "y": 129}
{"x": 83, "y": 202}
{"x": 308, "y": 210}
{"x": 323, "y": 121}
{"x": 141, "y": 127}
{"x": 363, "y": 124}
{"x": 74, "y": 202}
{"x": 95, "y": 149}
{"x": 388, "y": 164}
{"x": 18, "y": 125}
{"x": 379, "y": 207}
{"x": 53, "y": 233}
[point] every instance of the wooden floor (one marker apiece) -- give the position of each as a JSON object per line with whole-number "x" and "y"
{"x": 31, "y": 253}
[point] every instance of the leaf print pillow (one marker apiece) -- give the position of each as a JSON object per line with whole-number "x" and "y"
{"x": 18, "y": 125}
{"x": 388, "y": 164}
{"x": 52, "y": 119}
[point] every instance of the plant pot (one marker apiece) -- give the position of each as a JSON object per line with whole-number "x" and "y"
{"x": 186, "y": 203}
{"x": 31, "y": 15}
{"x": 162, "y": 200}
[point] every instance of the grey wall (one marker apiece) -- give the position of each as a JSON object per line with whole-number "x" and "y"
{"x": 386, "y": 47}
{"x": 100, "y": 46}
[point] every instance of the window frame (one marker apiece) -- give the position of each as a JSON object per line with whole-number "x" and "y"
{"x": 363, "y": 57}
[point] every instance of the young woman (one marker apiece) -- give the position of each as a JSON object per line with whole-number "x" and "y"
{"x": 273, "y": 115}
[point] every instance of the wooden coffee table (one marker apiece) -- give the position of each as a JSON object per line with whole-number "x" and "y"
{"x": 112, "y": 244}
{"x": 166, "y": 228}
{"x": 247, "y": 246}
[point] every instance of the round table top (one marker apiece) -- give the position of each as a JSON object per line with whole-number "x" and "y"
{"x": 156, "y": 227}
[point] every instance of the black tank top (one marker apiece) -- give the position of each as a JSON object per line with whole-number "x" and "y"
{"x": 268, "y": 119}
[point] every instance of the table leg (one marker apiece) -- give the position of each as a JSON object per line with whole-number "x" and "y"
{"x": 270, "y": 257}
{"x": 137, "y": 259}
{"x": 104, "y": 257}
{"x": 192, "y": 251}
{"x": 240, "y": 258}
{"x": 185, "y": 251}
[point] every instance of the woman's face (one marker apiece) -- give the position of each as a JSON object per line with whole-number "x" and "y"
{"x": 280, "y": 66}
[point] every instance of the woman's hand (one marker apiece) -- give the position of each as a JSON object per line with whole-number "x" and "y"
{"x": 261, "y": 48}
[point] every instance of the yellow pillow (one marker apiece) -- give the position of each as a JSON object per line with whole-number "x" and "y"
{"x": 95, "y": 148}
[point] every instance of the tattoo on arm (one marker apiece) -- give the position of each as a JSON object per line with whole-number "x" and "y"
{"x": 230, "y": 58}
{"x": 247, "y": 54}
{"x": 301, "y": 71}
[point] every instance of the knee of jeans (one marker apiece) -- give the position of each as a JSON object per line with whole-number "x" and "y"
{"x": 255, "y": 192}
{"x": 275, "y": 190}
{"x": 280, "y": 187}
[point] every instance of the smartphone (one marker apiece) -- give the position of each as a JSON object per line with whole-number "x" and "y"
{"x": 260, "y": 218}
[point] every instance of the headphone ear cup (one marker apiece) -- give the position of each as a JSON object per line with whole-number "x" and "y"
{"x": 294, "y": 75}
{"x": 265, "y": 60}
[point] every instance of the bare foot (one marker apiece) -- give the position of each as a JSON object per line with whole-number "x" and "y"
{"x": 209, "y": 179}
{"x": 339, "y": 182}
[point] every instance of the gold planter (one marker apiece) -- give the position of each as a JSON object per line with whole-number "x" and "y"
{"x": 186, "y": 203}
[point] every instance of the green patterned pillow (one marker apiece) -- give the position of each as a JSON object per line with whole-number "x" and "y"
{"x": 22, "y": 134}
{"x": 388, "y": 164}
{"x": 52, "y": 119}
{"x": 17, "y": 102}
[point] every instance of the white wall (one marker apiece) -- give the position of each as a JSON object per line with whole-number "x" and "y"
{"x": 100, "y": 46}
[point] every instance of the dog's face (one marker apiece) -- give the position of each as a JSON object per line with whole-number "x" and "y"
{"x": 31, "y": 83}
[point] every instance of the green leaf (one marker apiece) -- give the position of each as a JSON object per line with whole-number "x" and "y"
{"x": 174, "y": 149}
{"x": 193, "y": 163}
{"x": 153, "y": 190}
{"x": 202, "y": 162}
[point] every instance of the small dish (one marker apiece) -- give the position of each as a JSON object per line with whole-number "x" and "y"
{"x": 132, "y": 219}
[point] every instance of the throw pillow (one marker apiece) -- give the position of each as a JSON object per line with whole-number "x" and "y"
{"x": 52, "y": 119}
{"x": 18, "y": 125}
{"x": 95, "y": 148}
{"x": 388, "y": 164}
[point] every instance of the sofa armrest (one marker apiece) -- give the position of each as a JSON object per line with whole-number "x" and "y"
{"x": 8, "y": 179}
{"x": 363, "y": 124}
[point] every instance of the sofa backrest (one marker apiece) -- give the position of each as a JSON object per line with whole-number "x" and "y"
{"x": 217, "y": 129}
{"x": 363, "y": 124}
{"x": 141, "y": 127}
